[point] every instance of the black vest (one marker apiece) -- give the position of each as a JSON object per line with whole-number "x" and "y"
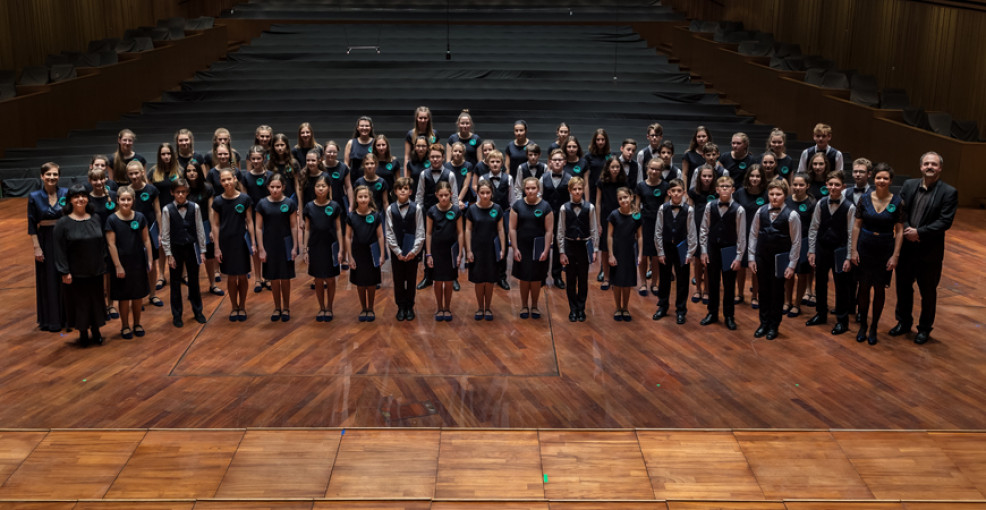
{"x": 501, "y": 192}
{"x": 774, "y": 236}
{"x": 183, "y": 231}
{"x": 675, "y": 228}
{"x": 405, "y": 225}
{"x": 555, "y": 197}
{"x": 646, "y": 151}
{"x": 829, "y": 155}
{"x": 832, "y": 232}
{"x": 722, "y": 227}
{"x": 632, "y": 174}
{"x": 430, "y": 184}
{"x": 524, "y": 171}
{"x": 577, "y": 226}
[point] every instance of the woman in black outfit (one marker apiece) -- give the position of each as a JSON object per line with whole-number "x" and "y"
{"x": 44, "y": 207}
{"x": 79, "y": 233}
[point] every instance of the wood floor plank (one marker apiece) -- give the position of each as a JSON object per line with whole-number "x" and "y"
{"x": 36, "y": 506}
{"x": 905, "y": 465}
{"x": 281, "y": 464}
{"x": 801, "y": 465}
{"x": 568, "y": 505}
{"x": 177, "y": 464}
{"x": 253, "y": 505}
{"x": 133, "y": 505}
{"x": 925, "y": 505}
{"x": 14, "y": 448}
{"x": 386, "y": 464}
{"x": 372, "y": 505}
{"x": 593, "y": 465}
{"x": 489, "y": 465}
{"x": 697, "y": 465}
{"x": 72, "y": 465}
{"x": 968, "y": 452}
{"x": 843, "y": 505}
{"x": 725, "y": 505}
{"x": 501, "y": 505}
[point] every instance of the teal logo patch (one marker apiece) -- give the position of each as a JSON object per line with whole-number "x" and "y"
{"x": 825, "y": 191}
{"x": 450, "y": 215}
{"x": 134, "y": 224}
{"x": 285, "y": 208}
{"x": 240, "y": 208}
{"x": 657, "y": 192}
{"x": 710, "y": 198}
{"x": 370, "y": 219}
{"x": 62, "y": 202}
{"x": 577, "y": 169}
{"x": 329, "y": 210}
{"x": 464, "y": 171}
{"x": 493, "y": 213}
{"x": 260, "y": 181}
{"x": 760, "y": 201}
{"x": 472, "y": 142}
{"x": 145, "y": 196}
{"x": 803, "y": 207}
{"x": 892, "y": 208}
{"x": 390, "y": 166}
{"x": 785, "y": 170}
{"x": 378, "y": 186}
{"x": 538, "y": 213}
{"x": 742, "y": 166}
{"x": 635, "y": 216}
{"x": 432, "y": 139}
{"x": 110, "y": 206}
{"x": 335, "y": 175}
{"x": 427, "y": 164}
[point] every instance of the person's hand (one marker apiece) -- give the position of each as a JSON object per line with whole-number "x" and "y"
{"x": 788, "y": 273}
{"x": 705, "y": 258}
{"x": 735, "y": 265}
{"x": 892, "y": 263}
{"x": 431, "y": 262}
{"x": 218, "y": 254}
{"x": 67, "y": 279}
{"x": 911, "y": 234}
{"x": 121, "y": 273}
{"x": 383, "y": 257}
{"x": 855, "y": 258}
{"x": 544, "y": 255}
{"x": 753, "y": 266}
{"x": 612, "y": 260}
{"x": 263, "y": 255}
{"x": 663, "y": 260}
{"x": 352, "y": 263}
{"x": 171, "y": 262}
{"x": 39, "y": 254}
{"x": 470, "y": 258}
{"x": 517, "y": 255}
{"x": 563, "y": 259}
{"x": 811, "y": 259}
{"x": 846, "y": 266}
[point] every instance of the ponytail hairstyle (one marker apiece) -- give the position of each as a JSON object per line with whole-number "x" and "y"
{"x": 465, "y": 114}
{"x": 119, "y": 167}
{"x": 633, "y": 205}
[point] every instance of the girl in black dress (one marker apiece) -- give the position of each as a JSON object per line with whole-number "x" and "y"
{"x": 339, "y": 176}
{"x": 377, "y": 185}
{"x": 423, "y": 126}
{"x": 282, "y": 162}
{"x": 322, "y": 239}
{"x": 387, "y": 165}
{"x": 277, "y": 242}
{"x": 443, "y": 240}
{"x": 221, "y": 155}
{"x": 484, "y": 229}
{"x": 365, "y": 245}
{"x": 186, "y": 156}
{"x": 464, "y": 134}
{"x": 129, "y": 244}
{"x": 804, "y": 204}
{"x": 694, "y": 158}
{"x": 306, "y": 184}
{"x": 649, "y": 195}
{"x": 531, "y": 235}
{"x": 597, "y": 156}
{"x": 575, "y": 164}
{"x": 562, "y": 133}
{"x": 418, "y": 161}
{"x": 221, "y": 136}
{"x": 751, "y": 197}
{"x": 148, "y": 203}
{"x": 123, "y": 156}
{"x": 162, "y": 176}
{"x": 626, "y": 251}
{"x": 878, "y": 234}
{"x": 516, "y": 151}
{"x": 359, "y": 146}
{"x": 80, "y": 258}
{"x": 306, "y": 143}
{"x": 777, "y": 146}
{"x": 201, "y": 193}
{"x": 254, "y": 180}
{"x": 262, "y": 136}
{"x": 232, "y": 220}
{"x": 44, "y": 207}
{"x": 701, "y": 194}
{"x": 611, "y": 180}
{"x": 104, "y": 203}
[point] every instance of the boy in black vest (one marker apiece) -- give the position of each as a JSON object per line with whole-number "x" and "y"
{"x": 182, "y": 234}
{"x": 823, "y": 136}
{"x": 577, "y": 227}
{"x": 776, "y": 229}
{"x": 675, "y": 225}
{"x": 554, "y": 191}
{"x": 503, "y": 188}
{"x": 426, "y": 190}
{"x": 530, "y": 168}
{"x": 831, "y": 229}
{"x": 405, "y": 234}
{"x": 723, "y": 228}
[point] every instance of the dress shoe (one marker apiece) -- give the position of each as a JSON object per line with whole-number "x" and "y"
{"x": 861, "y": 334}
{"x": 840, "y": 328}
{"x": 660, "y": 314}
{"x": 771, "y": 333}
{"x": 859, "y": 318}
{"x": 922, "y": 337}
{"x": 559, "y": 283}
{"x": 573, "y": 316}
{"x": 816, "y": 320}
{"x": 709, "y": 319}
{"x": 177, "y": 322}
{"x": 761, "y": 331}
{"x": 681, "y": 318}
{"x": 899, "y": 329}
{"x": 872, "y": 340}
{"x": 503, "y": 284}
{"x": 424, "y": 284}
{"x": 649, "y": 274}
{"x": 400, "y": 314}
{"x": 200, "y": 318}
{"x": 731, "y": 323}
{"x": 600, "y": 277}
{"x": 455, "y": 285}
{"x": 581, "y": 317}
{"x": 409, "y": 314}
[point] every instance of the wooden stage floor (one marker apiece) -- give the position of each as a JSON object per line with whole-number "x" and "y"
{"x": 509, "y": 373}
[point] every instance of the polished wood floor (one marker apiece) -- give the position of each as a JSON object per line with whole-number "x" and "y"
{"x": 484, "y": 468}
{"x": 509, "y": 373}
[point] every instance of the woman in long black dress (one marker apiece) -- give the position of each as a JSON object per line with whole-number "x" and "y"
{"x": 878, "y": 233}
{"x": 277, "y": 242}
{"x": 162, "y": 176}
{"x": 323, "y": 253}
{"x": 201, "y": 193}
{"x": 650, "y": 195}
{"x": 363, "y": 238}
{"x": 484, "y": 230}
{"x": 44, "y": 207}
{"x": 232, "y": 219}
{"x": 148, "y": 203}
{"x": 104, "y": 203}
{"x": 612, "y": 179}
{"x": 531, "y": 235}
{"x": 626, "y": 251}
{"x": 595, "y": 158}
{"x": 80, "y": 258}
{"x": 443, "y": 238}
{"x": 129, "y": 243}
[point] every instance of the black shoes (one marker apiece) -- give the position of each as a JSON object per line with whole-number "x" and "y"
{"x": 559, "y": 284}
{"x": 899, "y": 330}
{"x": 660, "y": 314}
{"x": 681, "y": 318}
{"x": 503, "y": 284}
{"x": 455, "y": 285}
{"x": 761, "y": 331}
{"x": 731, "y": 323}
{"x": 840, "y": 328}
{"x": 401, "y": 315}
{"x": 816, "y": 320}
{"x": 573, "y": 316}
{"x": 409, "y": 314}
{"x": 922, "y": 337}
{"x": 771, "y": 333}
{"x": 178, "y": 323}
{"x": 861, "y": 334}
{"x": 200, "y": 318}
{"x": 424, "y": 283}
{"x": 709, "y": 319}
{"x": 581, "y": 315}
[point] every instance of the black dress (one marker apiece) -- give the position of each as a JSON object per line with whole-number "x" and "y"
{"x": 472, "y": 145}
{"x": 47, "y": 280}
{"x": 321, "y": 235}
{"x": 365, "y": 229}
{"x": 876, "y": 239}
{"x": 337, "y": 177}
{"x": 103, "y": 206}
{"x": 232, "y": 228}
{"x": 388, "y": 172}
{"x": 607, "y": 204}
{"x": 484, "y": 230}
{"x": 255, "y": 185}
{"x": 144, "y": 204}
{"x": 378, "y": 189}
{"x": 163, "y": 186}
{"x": 130, "y": 250}
{"x": 443, "y": 235}
{"x": 80, "y": 250}
{"x": 805, "y": 210}
{"x": 751, "y": 203}
{"x": 531, "y": 223}
{"x": 651, "y": 198}
{"x": 625, "y": 227}
{"x": 277, "y": 237}
{"x": 699, "y": 199}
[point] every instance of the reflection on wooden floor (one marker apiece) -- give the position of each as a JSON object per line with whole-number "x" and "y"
{"x": 475, "y": 468}
{"x": 509, "y": 373}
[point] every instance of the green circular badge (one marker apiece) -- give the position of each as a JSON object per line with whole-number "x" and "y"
{"x": 329, "y": 210}
{"x": 61, "y": 201}
{"x": 260, "y": 181}
{"x": 427, "y": 164}
{"x": 174, "y": 177}
{"x": 538, "y": 213}
{"x": 760, "y": 201}
{"x": 285, "y": 208}
{"x": 657, "y": 192}
{"x": 335, "y": 175}
{"x": 785, "y": 170}
{"x": 803, "y": 207}
{"x": 577, "y": 169}
{"x": 390, "y": 166}
{"x": 635, "y": 216}
{"x": 450, "y": 215}
{"x": 432, "y": 140}
{"x": 742, "y": 165}
{"x": 134, "y": 225}
{"x": 609, "y": 157}
{"x": 145, "y": 196}
{"x": 370, "y": 218}
{"x": 110, "y": 206}
{"x": 711, "y": 198}
{"x": 464, "y": 171}
{"x": 472, "y": 142}
{"x": 378, "y": 186}
{"x": 240, "y": 208}
{"x": 493, "y": 213}
{"x": 891, "y": 207}
{"x": 825, "y": 191}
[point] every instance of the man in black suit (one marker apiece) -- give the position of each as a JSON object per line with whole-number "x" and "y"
{"x": 929, "y": 207}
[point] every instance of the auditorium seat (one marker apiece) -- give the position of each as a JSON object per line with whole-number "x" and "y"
{"x": 815, "y": 76}
{"x": 200, "y": 23}
{"x": 916, "y": 117}
{"x": 33, "y": 75}
{"x": 966, "y": 130}
{"x": 62, "y": 72}
{"x": 835, "y": 80}
{"x": 864, "y": 90}
{"x": 8, "y": 84}
{"x": 941, "y": 123}
{"x": 894, "y": 99}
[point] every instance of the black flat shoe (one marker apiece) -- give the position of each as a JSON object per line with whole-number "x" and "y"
{"x": 525, "y": 312}
{"x": 241, "y": 315}
{"x": 535, "y": 313}
{"x": 709, "y": 319}
{"x": 872, "y": 340}
{"x": 488, "y": 315}
{"x": 126, "y": 333}
{"x": 177, "y": 322}
{"x": 161, "y": 282}
{"x": 731, "y": 323}
{"x": 139, "y": 331}
{"x": 922, "y": 337}
{"x": 455, "y": 285}
{"x": 760, "y": 332}
{"x": 216, "y": 291}
{"x": 626, "y": 316}
{"x": 478, "y": 316}
{"x": 600, "y": 277}
{"x": 899, "y": 330}
{"x": 409, "y": 314}
{"x": 840, "y": 328}
{"x": 276, "y": 316}
{"x": 680, "y": 319}
{"x": 285, "y": 315}
{"x": 861, "y": 335}
{"x": 573, "y": 316}
{"x": 816, "y": 320}
{"x": 503, "y": 284}
{"x": 559, "y": 283}
{"x": 424, "y": 284}
{"x": 660, "y": 314}
{"x": 400, "y": 315}
{"x": 232, "y": 316}
{"x": 370, "y": 316}
{"x": 156, "y": 301}
{"x": 582, "y": 316}
{"x": 618, "y": 316}
{"x": 258, "y": 287}
{"x": 771, "y": 333}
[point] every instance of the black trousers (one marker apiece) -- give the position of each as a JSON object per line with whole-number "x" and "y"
{"x": 918, "y": 264}
{"x": 824, "y": 263}
{"x": 577, "y": 274}
{"x": 405, "y": 275}
{"x": 715, "y": 272}
{"x": 681, "y": 277}
{"x": 771, "y": 291}
{"x": 184, "y": 260}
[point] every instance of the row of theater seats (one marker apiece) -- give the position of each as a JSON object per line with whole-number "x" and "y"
{"x": 863, "y": 89}
{"x": 103, "y": 52}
